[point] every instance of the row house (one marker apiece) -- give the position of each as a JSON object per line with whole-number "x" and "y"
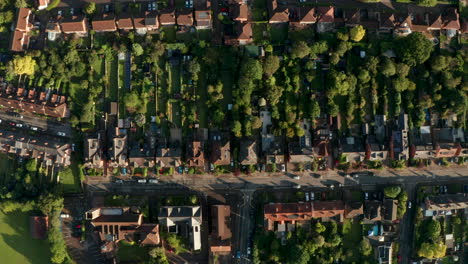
{"x": 42, "y": 4}
{"x": 431, "y": 143}
{"x": 445, "y": 204}
{"x": 221, "y": 234}
{"x": 220, "y": 149}
{"x": 168, "y": 155}
{"x": 93, "y": 152}
{"x": 118, "y": 150}
{"x": 243, "y": 35}
{"x": 49, "y": 150}
{"x": 30, "y": 101}
{"x": 248, "y": 152}
{"x": 20, "y": 37}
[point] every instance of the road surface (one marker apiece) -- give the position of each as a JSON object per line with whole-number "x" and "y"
{"x": 45, "y": 125}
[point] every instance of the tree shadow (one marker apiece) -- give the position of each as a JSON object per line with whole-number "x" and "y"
{"x": 19, "y": 240}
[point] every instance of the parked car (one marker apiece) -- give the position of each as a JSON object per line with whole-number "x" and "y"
{"x": 296, "y": 177}
{"x": 366, "y": 196}
{"x": 312, "y": 196}
{"x": 141, "y": 181}
{"x": 153, "y": 181}
{"x": 283, "y": 168}
{"x": 62, "y": 134}
{"x": 249, "y": 251}
{"x": 34, "y": 128}
{"x": 238, "y": 255}
{"x": 119, "y": 181}
{"x": 297, "y": 186}
{"x": 307, "y": 198}
{"x": 19, "y": 125}
{"x": 409, "y": 205}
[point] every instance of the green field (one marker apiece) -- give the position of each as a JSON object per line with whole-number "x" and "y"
{"x": 16, "y": 244}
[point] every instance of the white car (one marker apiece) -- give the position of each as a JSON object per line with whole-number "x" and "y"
{"x": 297, "y": 177}
{"x": 312, "y": 196}
{"x": 283, "y": 168}
{"x": 307, "y": 198}
{"x": 19, "y": 125}
{"x": 366, "y": 195}
{"x": 409, "y": 205}
{"x": 62, "y": 134}
{"x": 249, "y": 251}
{"x": 34, "y": 128}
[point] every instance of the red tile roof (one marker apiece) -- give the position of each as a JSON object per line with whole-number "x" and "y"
{"x": 185, "y": 17}
{"x": 76, "y": 24}
{"x": 326, "y": 14}
{"x": 125, "y": 23}
{"x": 167, "y": 17}
{"x": 104, "y": 24}
{"x": 23, "y": 22}
{"x": 19, "y": 41}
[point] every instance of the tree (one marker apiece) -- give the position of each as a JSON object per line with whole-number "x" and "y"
{"x": 237, "y": 129}
{"x": 251, "y": 69}
{"x": 31, "y": 165}
{"x": 90, "y": 8}
{"x": 299, "y": 49}
{"x": 427, "y": 3}
{"x": 387, "y": 67}
{"x": 414, "y": 49}
{"x": 318, "y": 48}
{"x": 365, "y": 247}
{"x": 140, "y": 120}
{"x": 132, "y": 101}
{"x": 432, "y": 250}
{"x": 137, "y": 49}
{"x": 439, "y": 63}
{"x": 432, "y": 230}
{"x": 158, "y": 255}
{"x": 357, "y": 33}
{"x": 319, "y": 228}
{"x": 314, "y": 109}
{"x": 270, "y": 65}
{"x": 20, "y": 3}
{"x": 392, "y": 191}
{"x": 22, "y": 65}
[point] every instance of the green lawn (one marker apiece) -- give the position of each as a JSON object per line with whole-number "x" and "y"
{"x": 227, "y": 78}
{"x": 169, "y": 34}
{"x": 278, "y": 33}
{"x": 131, "y": 252}
{"x": 121, "y": 91}
{"x": 70, "y": 178}
{"x": 257, "y": 31}
{"x": 16, "y": 244}
{"x": 176, "y": 113}
{"x": 113, "y": 80}
{"x": 352, "y": 236}
{"x": 202, "y": 110}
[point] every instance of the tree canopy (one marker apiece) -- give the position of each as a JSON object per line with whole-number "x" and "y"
{"x": 357, "y": 33}
{"x": 22, "y": 65}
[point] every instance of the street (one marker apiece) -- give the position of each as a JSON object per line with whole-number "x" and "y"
{"x": 46, "y": 125}
{"x": 262, "y": 181}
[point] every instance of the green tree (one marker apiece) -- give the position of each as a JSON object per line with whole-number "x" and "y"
{"x": 414, "y": 49}
{"x": 22, "y": 65}
{"x": 432, "y": 230}
{"x": 137, "y": 49}
{"x": 300, "y": 49}
{"x": 31, "y": 165}
{"x": 140, "y": 120}
{"x": 319, "y": 228}
{"x": 132, "y": 101}
{"x": 251, "y": 69}
{"x": 439, "y": 63}
{"x": 237, "y": 129}
{"x": 365, "y": 247}
{"x": 427, "y": 3}
{"x": 357, "y": 33}
{"x": 392, "y": 191}
{"x": 270, "y": 65}
{"x": 387, "y": 67}
{"x": 158, "y": 255}
{"x": 90, "y": 8}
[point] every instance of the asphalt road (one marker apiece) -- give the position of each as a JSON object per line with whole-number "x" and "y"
{"x": 262, "y": 181}
{"x": 406, "y": 225}
{"x": 45, "y": 125}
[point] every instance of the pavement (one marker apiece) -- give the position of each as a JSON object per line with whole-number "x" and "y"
{"x": 47, "y": 126}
